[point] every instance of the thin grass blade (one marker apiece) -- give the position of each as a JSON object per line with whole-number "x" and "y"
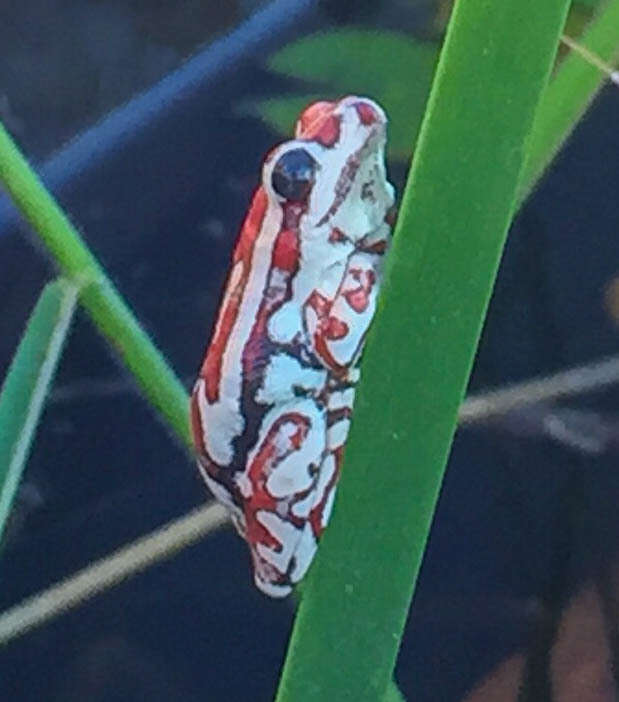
{"x": 23, "y": 393}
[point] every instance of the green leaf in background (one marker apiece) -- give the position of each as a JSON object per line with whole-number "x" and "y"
{"x": 456, "y": 209}
{"x": 24, "y": 390}
{"x": 389, "y": 67}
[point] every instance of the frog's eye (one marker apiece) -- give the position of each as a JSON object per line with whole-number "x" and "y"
{"x": 293, "y": 175}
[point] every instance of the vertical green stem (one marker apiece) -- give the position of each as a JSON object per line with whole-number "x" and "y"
{"x": 456, "y": 209}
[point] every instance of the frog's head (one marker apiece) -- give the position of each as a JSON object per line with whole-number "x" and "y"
{"x": 333, "y": 172}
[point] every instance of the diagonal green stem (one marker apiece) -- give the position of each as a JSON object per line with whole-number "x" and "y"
{"x": 98, "y": 295}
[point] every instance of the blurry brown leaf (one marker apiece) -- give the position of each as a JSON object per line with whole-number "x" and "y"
{"x": 580, "y": 665}
{"x": 502, "y": 685}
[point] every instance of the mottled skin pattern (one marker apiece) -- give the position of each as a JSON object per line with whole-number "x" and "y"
{"x": 272, "y": 404}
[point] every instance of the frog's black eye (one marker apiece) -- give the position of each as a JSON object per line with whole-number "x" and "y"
{"x": 293, "y": 175}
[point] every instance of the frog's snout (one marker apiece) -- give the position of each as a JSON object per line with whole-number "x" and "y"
{"x": 367, "y": 113}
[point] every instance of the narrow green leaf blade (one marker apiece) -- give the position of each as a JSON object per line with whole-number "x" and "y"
{"x": 23, "y": 393}
{"x": 569, "y": 95}
{"x": 393, "y": 694}
{"x": 451, "y": 228}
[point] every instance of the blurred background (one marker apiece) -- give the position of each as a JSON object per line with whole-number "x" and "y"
{"x": 149, "y": 122}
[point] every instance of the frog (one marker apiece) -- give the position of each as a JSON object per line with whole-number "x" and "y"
{"x": 272, "y": 405}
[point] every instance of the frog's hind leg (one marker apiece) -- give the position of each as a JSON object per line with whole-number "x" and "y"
{"x": 278, "y": 487}
{"x": 339, "y": 411}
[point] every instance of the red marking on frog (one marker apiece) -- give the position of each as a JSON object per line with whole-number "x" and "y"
{"x": 276, "y": 446}
{"x": 333, "y": 328}
{"x": 367, "y": 114}
{"x": 337, "y": 235}
{"x": 286, "y": 250}
{"x": 359, "y": 297}
{"x": 317, "y": 122}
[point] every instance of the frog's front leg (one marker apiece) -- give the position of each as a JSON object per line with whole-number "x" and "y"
{"x": 337, "y": 326}
{"x": 279, "y": 489}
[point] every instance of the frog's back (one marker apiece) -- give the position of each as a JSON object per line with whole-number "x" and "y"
{"x": 217, "y": 398}
{"x": 241, "y": 298}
